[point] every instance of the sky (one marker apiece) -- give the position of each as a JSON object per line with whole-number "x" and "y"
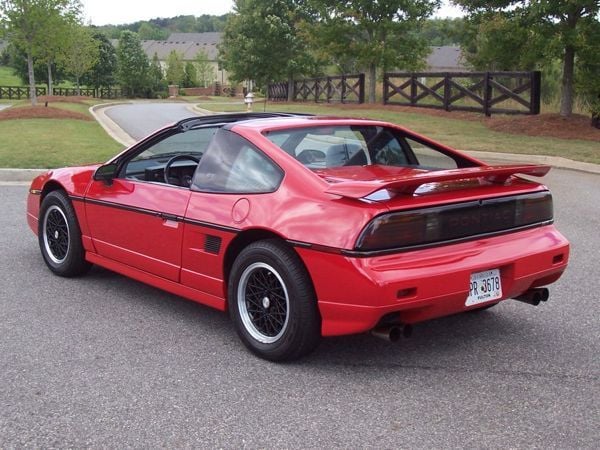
{"x": 102, "y": 12}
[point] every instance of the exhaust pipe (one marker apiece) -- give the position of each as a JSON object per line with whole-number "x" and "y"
{"x": 392, "y": 333}
{"x": 534, "y": 296}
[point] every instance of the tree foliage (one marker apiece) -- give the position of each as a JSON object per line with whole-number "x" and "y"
{"x": 205, "y": 70}
{"x": 103, "y": 72}
{"x": 263, "y": 42}
{"x": 80, "y": 53}
{"x": 190, "y": 75}
{"x": 175, "y": 68}
{"x": 133, "y": 72}
{"x": 160, "y": 29}
{"x": 157, "y": 81}
{"x": 587, "y": 76}
{"x": 379, "y": 34}
{"x": 28, "y": 25}
{"x": 534, "y": 31}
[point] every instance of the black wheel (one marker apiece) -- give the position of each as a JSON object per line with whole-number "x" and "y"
{"x": 272, "y": 302}
{"x": 59, "y": 236}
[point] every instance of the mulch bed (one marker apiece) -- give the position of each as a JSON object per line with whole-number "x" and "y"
{"x": 64, "y": 99}
{"x": 41, "y": 112}
{"x": 550, "y": 125}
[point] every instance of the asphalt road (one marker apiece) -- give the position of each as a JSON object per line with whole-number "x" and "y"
{"x": 105, "y": 362}
{"x": 141, "y": 119}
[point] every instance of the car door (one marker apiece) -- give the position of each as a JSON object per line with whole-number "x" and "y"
{"x": 137, "y": 219}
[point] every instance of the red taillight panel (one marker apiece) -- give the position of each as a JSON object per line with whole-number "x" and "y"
{"x": 459, "y": 221}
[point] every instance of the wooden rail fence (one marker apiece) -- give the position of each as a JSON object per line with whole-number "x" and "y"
{"x": 486, "y": 92}
{"x": 338, "y": 89}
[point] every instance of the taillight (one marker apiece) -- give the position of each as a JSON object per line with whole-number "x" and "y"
{"x": 453, "y": 222}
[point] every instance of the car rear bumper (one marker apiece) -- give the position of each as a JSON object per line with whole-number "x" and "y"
{"x": 356, "y": 293}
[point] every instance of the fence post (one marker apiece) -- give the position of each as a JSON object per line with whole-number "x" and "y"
{"x": 447, "y": 91}
{"x": 361, "y": 88}
{"x": 536, "y": 91}
{"x": 487, "y": 94}
{"x": 413, "y": 89}
{"x": 386, "y": 80}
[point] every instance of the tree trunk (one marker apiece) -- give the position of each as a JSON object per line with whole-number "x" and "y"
{"x": 78, "y": 88}
{"x": 290, "y": 91}
{"x": 566, "y": 101}
{"x": 32, "y": 95}
{"x": 50, "y": 83}
{"x": 372, "y": 82}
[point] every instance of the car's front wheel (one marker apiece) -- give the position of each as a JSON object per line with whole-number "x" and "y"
{"x": 60, "y": 237}
{"x": 272, "y": 302}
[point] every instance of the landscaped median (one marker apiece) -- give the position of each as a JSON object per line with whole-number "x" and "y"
{"x": 572, "y": 138}
{"x": 63, "y": 133}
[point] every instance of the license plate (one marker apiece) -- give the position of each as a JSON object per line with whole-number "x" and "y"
{"x": 484, "y": 287}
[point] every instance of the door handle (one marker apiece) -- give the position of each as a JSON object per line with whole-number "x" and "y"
{"x": 170, "y": 217}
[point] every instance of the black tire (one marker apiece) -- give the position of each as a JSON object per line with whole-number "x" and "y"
{"x": 60, "y": 237}
{"x": 272, "y": 302}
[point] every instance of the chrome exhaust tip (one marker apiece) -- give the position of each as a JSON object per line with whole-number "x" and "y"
{"x": 392, "y": 333}
{"x": 534, "y": 296}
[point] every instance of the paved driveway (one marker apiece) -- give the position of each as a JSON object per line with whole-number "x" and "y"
{"x": 141, "y": 119}
{"x": 105, "y": 362}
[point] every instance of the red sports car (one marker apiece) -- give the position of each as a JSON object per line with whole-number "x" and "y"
{"x": 304, "y": 226}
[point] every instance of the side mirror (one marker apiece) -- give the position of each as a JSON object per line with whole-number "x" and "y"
{"x": 106, "y": 173}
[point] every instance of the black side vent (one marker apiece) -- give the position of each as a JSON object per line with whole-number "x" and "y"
{"x": 212, "y": 244}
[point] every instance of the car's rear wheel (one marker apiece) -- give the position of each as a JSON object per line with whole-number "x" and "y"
{"x": 60, "y": 237}
{"x": 272, "y": 302}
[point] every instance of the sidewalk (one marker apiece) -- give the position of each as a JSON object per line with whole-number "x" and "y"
{"x": 22, "y": 176}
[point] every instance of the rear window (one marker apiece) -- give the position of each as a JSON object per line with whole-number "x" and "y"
{"x": 325, "y": 147}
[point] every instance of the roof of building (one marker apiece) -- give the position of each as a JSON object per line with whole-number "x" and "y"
{"x": 446, "y": 59}
{"x": 189, "y": 50}
{"x": 188, "y": 44}
{"x": 210, "y": 37}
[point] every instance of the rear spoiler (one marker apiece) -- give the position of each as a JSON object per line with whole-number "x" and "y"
{"x": 410, "y": 183}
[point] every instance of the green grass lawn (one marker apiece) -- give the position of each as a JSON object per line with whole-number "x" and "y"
{"x": 460, "y": 134}
{"x": 49, "y": 143}
{"x": 7, "y": 78}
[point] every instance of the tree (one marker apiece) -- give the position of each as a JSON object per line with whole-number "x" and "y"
{"x": 102, "y": 74}
{"x": 190, "y": 76}
{"x": 133, "y": 64}
{"x": 376, "y": 34}
{"x": 157, "y": 79}
{"x": 57, "y": 37}
{"x": 28, "y": 24}
{"x": 149, "y": 31}
{"x": 80, "y": 54}
{"x": 587, "y": 77}
{"x": 175, "y": 68}
{"x": 263, "y": 42}
{"x": 557, "y": 24}
{"x": 205, "y": 70}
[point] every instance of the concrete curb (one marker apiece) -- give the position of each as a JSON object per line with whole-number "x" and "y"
{"x": 110, "y": 126}
{"x": 553, "y": 161}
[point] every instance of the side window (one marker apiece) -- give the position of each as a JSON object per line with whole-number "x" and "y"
{"x": 233, "y": 165}
{"x": 429, "y": 157}
{"x": 150, "y": 162}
